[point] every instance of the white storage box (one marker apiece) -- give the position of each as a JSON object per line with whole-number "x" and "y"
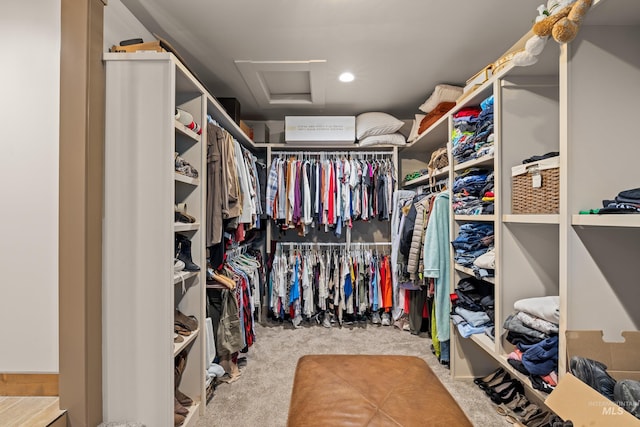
{"x": 320, "y": 129}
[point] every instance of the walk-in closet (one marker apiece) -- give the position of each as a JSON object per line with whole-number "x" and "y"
{"x": 320, "y": 214}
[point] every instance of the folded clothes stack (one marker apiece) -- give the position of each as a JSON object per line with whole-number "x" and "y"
{"x": 473, "y": 192}
{"x": 533, "y": 329}
{"x": 473, "y": 307}
{"x": 472, "y": 135}
{"x": 627, "y": 201}
{"x": 474, "y": 239}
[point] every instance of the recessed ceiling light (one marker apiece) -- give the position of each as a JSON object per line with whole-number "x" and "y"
{"x": 346, "y": 77}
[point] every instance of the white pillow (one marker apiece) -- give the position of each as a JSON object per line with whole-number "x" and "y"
{"x": 416, "y": 126}
{"x": 375, "y": 123}
{"x": 441, "y": 93}
{"x": 389, "y": 139}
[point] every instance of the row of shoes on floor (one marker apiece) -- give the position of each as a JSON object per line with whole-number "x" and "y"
{"x": 508, "y": 394}
{"x": 183, "y": 325}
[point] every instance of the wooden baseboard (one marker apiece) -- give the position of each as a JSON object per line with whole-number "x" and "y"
{"x": 28, "y": 384}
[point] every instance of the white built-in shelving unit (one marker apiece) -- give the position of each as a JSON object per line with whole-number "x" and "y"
{"x": 573, "y": 101}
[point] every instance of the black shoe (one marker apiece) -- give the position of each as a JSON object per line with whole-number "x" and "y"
{"x": 489, "y": 377}
{"x": 183, "y": 250}
{"x": 506, "y": 394}
{"x": 594, "y": 374}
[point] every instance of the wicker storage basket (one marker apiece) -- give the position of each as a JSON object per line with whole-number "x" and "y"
{"x": 535, "y": 187}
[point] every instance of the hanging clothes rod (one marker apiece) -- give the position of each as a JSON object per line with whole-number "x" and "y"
{"x": 370, "y": 244}
{"x": 329, "y": 244}
{"x": 357, "y": 154}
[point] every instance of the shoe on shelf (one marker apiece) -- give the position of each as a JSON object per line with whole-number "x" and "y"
{"x": 507, "y": 392}
{"x": 515, "y": 405}
{"x": 179, "y": 409}
{"x": 524, "y": 415}
{"x": 183, "y": 252}
{"x": 488, "y": 378}
{"x": 183, "y": 399}
{"x": 178, "y": 266}
{"x": 498, "y": 379}
{"x": 188, "y": 322}
{"x": 183, "y": 167}
{"x": 178, "y": 419}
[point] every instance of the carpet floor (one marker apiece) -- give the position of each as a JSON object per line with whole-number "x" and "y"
{"x": 260, "y": 397}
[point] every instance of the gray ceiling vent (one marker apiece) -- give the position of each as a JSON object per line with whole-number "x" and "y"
{"x": 281, "y": 83}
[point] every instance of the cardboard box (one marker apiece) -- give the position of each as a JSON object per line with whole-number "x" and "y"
{"x": 320, "y": 129}
{"x": 154, "y": 46}
{"x": 246, "y": 129}
{"x": 261, "y": 132}
{"x": 576, "y": 401}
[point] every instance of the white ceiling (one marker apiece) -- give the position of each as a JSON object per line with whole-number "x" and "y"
{"x": 397, "y": 49}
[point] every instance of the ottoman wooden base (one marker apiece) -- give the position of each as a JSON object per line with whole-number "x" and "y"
{"x": 368, "y": 390}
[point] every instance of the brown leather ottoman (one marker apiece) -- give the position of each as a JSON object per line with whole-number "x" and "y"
{"x": 368, "y": 390}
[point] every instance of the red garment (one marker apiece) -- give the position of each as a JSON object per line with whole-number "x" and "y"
{"x": 386, "y": 288}
{"x": 332, "y": 192}
{"x": 407, "y": 298}
{"x": 468, "y": 112}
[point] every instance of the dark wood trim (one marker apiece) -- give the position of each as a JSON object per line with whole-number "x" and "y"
{"x": 80, "y": 224}
{"x": 28, "y": 384}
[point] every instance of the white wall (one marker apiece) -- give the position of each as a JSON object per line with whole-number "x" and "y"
{"x": 29, "y": 119}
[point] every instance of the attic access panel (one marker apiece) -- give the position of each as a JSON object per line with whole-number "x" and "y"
{"x": 279, "y": 83}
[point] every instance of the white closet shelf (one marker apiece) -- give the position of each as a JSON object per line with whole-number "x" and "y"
{"x": 435, "y": 136}
{"x": 531, "y": 219}
{"x": 182, "y": 226}
{"x": 484, "y": 341}
{"x": 186, "y": 131}
{"x": 191, "y": 419}
{"x": 470, "y": 272}
{"x": 183, "y": 275}
{"x": 179, "y": 346}
{"x": 187, "y": 180}
{"x": 482, "y": 161}
{"x": 608, "y": 220}
{"x": 484, "y": 218}
{"x": 438, "y": 173}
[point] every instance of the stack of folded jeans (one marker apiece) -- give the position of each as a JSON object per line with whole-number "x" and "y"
{"x": 474, "y": 239}
{"x": 470, "y": 192}
{"x": 473, "y": 307}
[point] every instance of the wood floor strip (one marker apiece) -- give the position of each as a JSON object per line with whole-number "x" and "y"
{"x": 29, "y": 384}
{"x": 28, "y": 411}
